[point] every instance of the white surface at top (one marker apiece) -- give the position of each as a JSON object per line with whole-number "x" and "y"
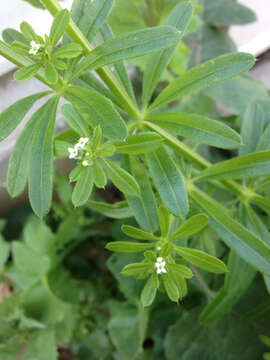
{"x": 255, "y": 37}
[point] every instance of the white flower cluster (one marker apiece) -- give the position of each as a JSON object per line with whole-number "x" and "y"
{"x": 34, "y": 48}
{"x": 160, "y": 265}
{"x": 76, "y": 151}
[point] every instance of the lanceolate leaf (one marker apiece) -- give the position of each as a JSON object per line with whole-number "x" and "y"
{"x": 197, "y": 127}
{"x": 168, "y": 181}
{"x": 138, "y": 233}
{"x": 179, "y": 18}
{"x": 74, "y": 120}
{"x": 98, "y": 110}
{"x": 204, "y": 75}
{"x": 190, "y": 227}
{"x": 41, "y": 163}
{"x": 127, "y": 46}
{"x": 68, "y": 51}
{"x": 119, "y": 210}
{"x": 255, "y": 164}
{"x": 20, "y": 157}
{"x": 140, "y": 143}
{"x": 13, "y": 115}
{"x": 59, "y": 25}
{"x": 26, "y": 72}
{"x": 94, "y": 15}
{"x": 202, "y": 260}
{"x": 127, "y": 247}
{"x": 252, "y": 128}
{"x": 149, "y": 291}
{"x": 144, "y": 207}
{"x": 83, "y": 187}
{"x": 236, "y": 236}
{"x": 121, "y": 178}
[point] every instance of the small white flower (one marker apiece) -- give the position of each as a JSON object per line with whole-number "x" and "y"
{"x": 73, "y": 153}
{"x": 85, "y": 163}
{"x": 34, "y": 48}
{"x": 81, "y": 143}
{"x": 160, "y": 265}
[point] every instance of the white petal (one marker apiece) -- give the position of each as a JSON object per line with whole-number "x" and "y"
{"x": 159, "y": 259}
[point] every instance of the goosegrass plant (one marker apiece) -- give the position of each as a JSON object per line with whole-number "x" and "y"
{"x": 191, "y": 211}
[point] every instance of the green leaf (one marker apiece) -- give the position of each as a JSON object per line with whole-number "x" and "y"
{"x": 40, "y": 340}
{"x": 228, "y": 13}
{"x": 179, "y": 18}
{"x": 251, "y": 165}
{"x": 166, "y": 249}
{"x": 149, "y": 291}
{"x": 121, "y": 179}
{"x": 248, "y": 246}
{"x": 29, "y": 261}
{"x": 41, "y": 160}
{"x": 4, "y": 252}
{"x": 215, "y": 42}
{"x": 68, "y": 51}
{"x": 59, "y": 64}
{"x": 144, "y": 207}
{"x": 100, "y": 179}
{"x": 74, "y": 120}
{"x": 164, "y": 220}
{"x": 119, "y": 210}
{"x": 168, "y": 181}
{"x": 13, "y": 115}
{"x": 127, "y": 330}
{"x": 233, "y": 335}
{"x": 83, "y": 187}
{"x": 190, "y": 227}
{"x": 184, "y": 271}
{"x": 126, "y": 247}
{"x": 252, "y": 128}
{"x": 140, "y": 143}
{"x": 39, "y": 237}
{"x": 136, "y": 269}
{"x": 237, "y": 281}
{"x": 127, "y": 46}
{"x": 138, "y": 233}
{"x": 199, "y": 128}
{"x": 171, "y": 287}
{"x": 204, "y": 75}
{"x": 51, "y": 74}
{"x": 21, "y": 155}
{"x": 59, "y": 25}
{"x": 98, "y": 110}
{"x": 27, "y": 31}
{"x": 202, "y": 260}
{"x": 26, "y": 72}
{"x": 40, "y": 304}
{"x": 9, "y": 35}
{"x": 93, "y": 17}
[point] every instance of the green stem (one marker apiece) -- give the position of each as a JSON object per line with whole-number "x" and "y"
{"x": 106, "y": 75}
